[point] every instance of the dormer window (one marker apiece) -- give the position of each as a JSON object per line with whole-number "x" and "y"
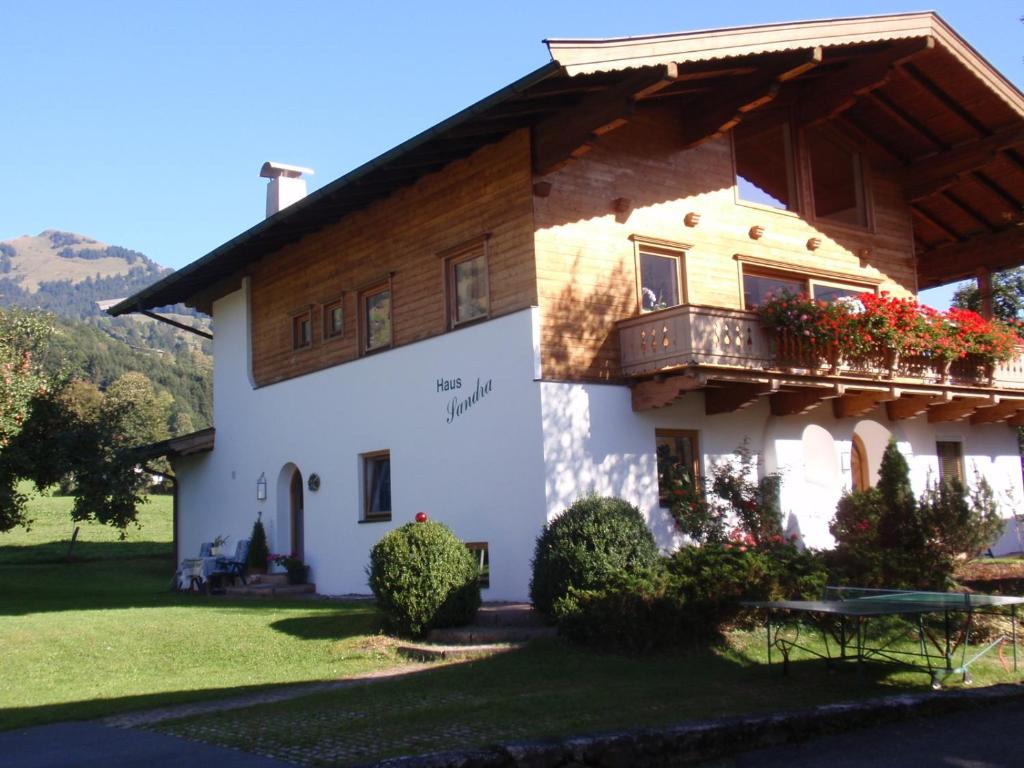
{"x": 837, "y": 180}
{"x": 765, "y": 168}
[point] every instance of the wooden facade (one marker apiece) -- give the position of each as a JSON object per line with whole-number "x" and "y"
{"x": 402, "y": 239}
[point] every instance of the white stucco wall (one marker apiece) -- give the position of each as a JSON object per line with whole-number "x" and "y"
{"x": 593, "y": 441}
{"x": 480, "y": 472}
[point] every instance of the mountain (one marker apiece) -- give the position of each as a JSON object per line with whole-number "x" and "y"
{"x": 66, "y": 274}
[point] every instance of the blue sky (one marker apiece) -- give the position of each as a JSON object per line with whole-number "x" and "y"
{"x": 144, "y": 124}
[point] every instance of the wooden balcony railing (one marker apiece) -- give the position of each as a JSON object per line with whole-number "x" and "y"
{"x": 688, "y": 335}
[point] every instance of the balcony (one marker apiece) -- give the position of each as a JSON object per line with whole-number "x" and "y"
{"x": 735, "y": 361}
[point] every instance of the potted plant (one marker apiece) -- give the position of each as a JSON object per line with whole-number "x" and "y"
{"x": 218, "y": 545}
{"x": 298, "y": 571}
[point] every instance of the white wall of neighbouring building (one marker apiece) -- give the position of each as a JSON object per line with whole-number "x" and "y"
{"x": 478, "y": 469}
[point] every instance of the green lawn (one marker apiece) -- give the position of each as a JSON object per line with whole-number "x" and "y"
{"x": 105, "y": 635}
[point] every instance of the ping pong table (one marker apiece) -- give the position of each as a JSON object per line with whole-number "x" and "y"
{"x": 843, "y": 616}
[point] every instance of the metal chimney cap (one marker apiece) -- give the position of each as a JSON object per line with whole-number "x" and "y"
{"x": 272, "y": 170}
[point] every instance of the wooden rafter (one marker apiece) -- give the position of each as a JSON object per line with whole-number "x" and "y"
{"x": 904, "y": 118}
{"x": 970, "y": 210}
{"x": 954, "y": 410}
{"x": 560, "y": 138}
{"x": 721, "y": 115}
{"x": 855, "y": 404}
{"x": 996, "y": 251}
{"x": 661, "y": 392}
{"x": 909, "y": 406}
{"x": 935, "y": 172}
{"x": 935, "y": 221}
{"x": 733, "y": 397}
{"x": 867, "y": 138}
{"x": 998, "y": 190}
{"x": 1000, "y": 412}
{"x": 793, "y": 403}
{"x": 831, "y": 96}
{"x": 946, "y": 100}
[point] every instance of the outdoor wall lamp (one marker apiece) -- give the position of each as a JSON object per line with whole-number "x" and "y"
{"x": 261, "y": 488}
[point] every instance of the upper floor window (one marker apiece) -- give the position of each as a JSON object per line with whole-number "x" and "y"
{"x": 334, "y": 319}
{"x": 837, "y": 180}
{"x": 659, "y": 272}
{"x": 759, "y": 287}
{"x": 765, "y": 167}
{"x": 302, "y": 330}
{"x": 468, "y": 289}
{"x": 375, "y": 304}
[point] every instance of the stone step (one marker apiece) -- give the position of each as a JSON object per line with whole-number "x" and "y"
{"x": 268, "y": 578}
{"x": 439, "y": 652}
{"x": 508, "y": 615}
{"x": 269, "y": 590}
{"x": 474, "y": 634}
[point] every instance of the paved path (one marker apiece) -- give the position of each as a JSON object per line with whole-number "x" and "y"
{"x": 94, "y": 745}
{"x": 990, "y": 737}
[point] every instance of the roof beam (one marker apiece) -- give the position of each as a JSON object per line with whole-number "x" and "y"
{"x": 560, "y": 138}
{"x": 993, "y": 414}
{"x": 853, "y": 405}
{"x": 799, "y": 402}
{"x": 734, "y": 397}
{"x": 905, "y": 119}
{"x": 953, "y": 411}
{"x": 935, "y": 221}
{"x": 946, "y": 100}
{"x": 996, "y": 251}
{"x": 909, "y": 406}
{"x": 831, "y": 96}
{"x": 658, "y": 393}
{"x": 718, "y": 117}
{"x": 934, "y": 173}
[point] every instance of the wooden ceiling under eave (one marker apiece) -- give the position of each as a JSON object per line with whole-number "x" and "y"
{"x": 913, "y": 106}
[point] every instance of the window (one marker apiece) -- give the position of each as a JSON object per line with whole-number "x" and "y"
{"x": 951, "y": 460}
{"x": 837, "y": 181}
{"x": 376, "y": 317}
{"x": 468, "y": 291}
{"x": 482, "y": 555}
{"x": 334, "y": 319}
{"x": 302, "y": 330}
{"x": 759, "y": 287}
{"x": 659, "y": 281}
{"x": 765, "y": 172}
{"x": 676, "y": 448}
{"x": 377, "y": 485}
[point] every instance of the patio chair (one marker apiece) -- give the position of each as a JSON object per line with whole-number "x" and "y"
{"x": 236, "y": 567}
{"x": 206, "y": 549}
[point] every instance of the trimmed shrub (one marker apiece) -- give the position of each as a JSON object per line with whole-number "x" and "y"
{"x": 594, "y": 542}
{"x": 634, "y": 613}
{"x": 259, "y": 552}
{"x": 424, "y": 577}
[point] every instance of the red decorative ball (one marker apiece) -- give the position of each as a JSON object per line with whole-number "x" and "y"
{"x": 421, "y": 517}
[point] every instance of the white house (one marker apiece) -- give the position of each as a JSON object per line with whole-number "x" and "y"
{"x": 519, "y": 305}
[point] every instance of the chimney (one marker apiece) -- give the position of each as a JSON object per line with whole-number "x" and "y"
{"x": 286, "y": 185}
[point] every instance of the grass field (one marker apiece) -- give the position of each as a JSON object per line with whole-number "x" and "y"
{"x": 105, "y": 635}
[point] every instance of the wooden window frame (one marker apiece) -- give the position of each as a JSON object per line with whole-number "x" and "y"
{"x": 468, "y": 250}
{"x": 328, "y": 331}
{"x": 366, "y": 462}
{"x": 863, "y": 180}
{"x": 299, "y": 317}
{"x": 664, "y": 248}
{"x": 794, "y": 168}
{"x": 481, "y": 551}
{"x": 810, "y": 277}
{"x": 693, "y": 436}
{"x": 372, "y": 289}
{"x": 958, "y": 457}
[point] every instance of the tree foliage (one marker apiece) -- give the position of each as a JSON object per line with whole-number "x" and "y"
{"x": 1007, "y": 295}
{"x": 92, "y": 438}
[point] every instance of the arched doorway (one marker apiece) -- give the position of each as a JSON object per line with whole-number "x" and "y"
{"x": 295, "y": 507}
{"x": 859, "y": 471}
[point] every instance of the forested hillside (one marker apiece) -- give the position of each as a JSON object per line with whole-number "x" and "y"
{"x": 67, "y": 274}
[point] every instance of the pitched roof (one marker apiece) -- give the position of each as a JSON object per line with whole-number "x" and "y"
{"x": 905, "y": 87}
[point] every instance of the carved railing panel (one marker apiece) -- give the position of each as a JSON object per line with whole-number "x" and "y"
{"x": 707, "y": 336}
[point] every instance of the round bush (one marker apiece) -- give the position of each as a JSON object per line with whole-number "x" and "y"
{"x": 593, "y": 543}
{"x": 423, "y": 577}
